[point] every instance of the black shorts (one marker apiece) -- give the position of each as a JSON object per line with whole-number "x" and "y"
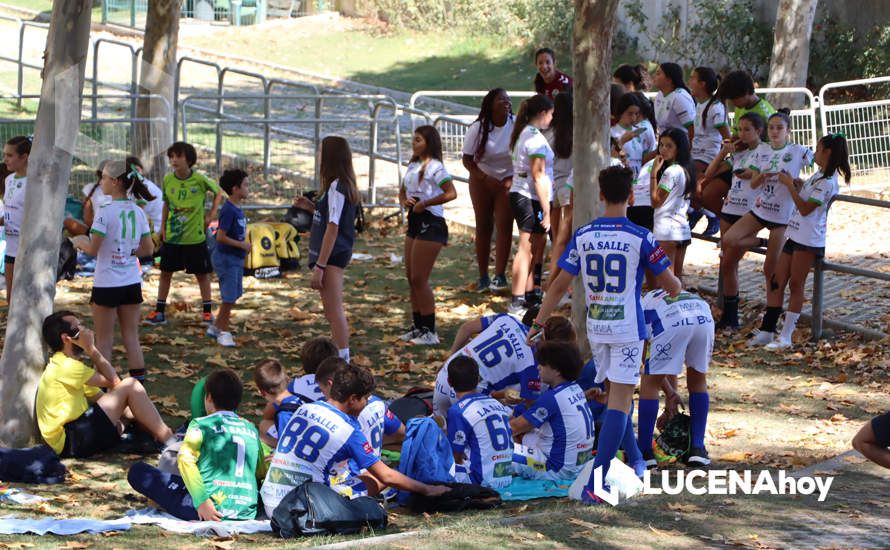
{"x": 644, "y": 216}
{"x": 9, "y": 260}
{"x": 193, "y": 258}
{"x": 528, "y": 213}
{"x": 90, "y": 434}
{"x": 768, "y": 224}
{"x": 426, "y": 226}
{"x": 114, "y": 296}
{"x": 337, "y": 259}
{"x": 730, "y": 218}
{"x": 790, "y": 246}
{"x": 880, "y": 425}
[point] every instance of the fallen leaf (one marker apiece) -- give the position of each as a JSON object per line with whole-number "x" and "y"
{"x": 685, "y": 508}
{"x": 218, "y": 361}
{"x": 581, "y": 523}
{"x": 75, "y": 544}
{"x": 737, "y": 456}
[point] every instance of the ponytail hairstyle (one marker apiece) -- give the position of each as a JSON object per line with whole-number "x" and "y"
{"x": 130, "y": 178}
{"x": 336, "y": 164}
{"x": 757, "y": 121}
{"x": 562, "y": 125}
{"x": 528, "y": 109}
{"x": 22, "y": 144}
{"x": 539, "y": 80}
{"x": 684, "y": 157}
{"x": 839, "y": 160}
{"x": 674, "y": 74}
{"x": 616, "y": 92}
{"x": 485, "y": 123}
{"x": 646, "y": 108}
{"x": 712, "y": 81}
{"x": 631, "y": 75}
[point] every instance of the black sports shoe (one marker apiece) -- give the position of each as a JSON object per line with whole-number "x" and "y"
{"x": 649, "y": 459}
{"x": 698, "y": 456}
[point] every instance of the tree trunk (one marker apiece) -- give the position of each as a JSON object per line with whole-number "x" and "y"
{"x": 55, "y": 132}
{"x": 592, "y": 66}
{"x": 158, "y": 76}
{"x": 791, "y": 49}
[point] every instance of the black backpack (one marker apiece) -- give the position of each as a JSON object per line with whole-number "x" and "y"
{"x": 462, "y": 496}
{"x": 417, "y": 402}
{"x": 67, "y": 261}
{"x": 316, "y": 509}
{"x": 674, "y": 439}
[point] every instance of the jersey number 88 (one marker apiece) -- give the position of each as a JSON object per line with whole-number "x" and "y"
{"x": 305, "y": 441}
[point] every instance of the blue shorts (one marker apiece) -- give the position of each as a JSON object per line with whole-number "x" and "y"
{"x": 230, "y": 271}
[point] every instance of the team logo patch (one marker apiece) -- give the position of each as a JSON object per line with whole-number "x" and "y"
{"x": 367, "y": 448}
{"x": 573, "y": 257}
{"x": 460, "y": 437}
{"x": 787, "y": 157}
{"x": 656, "y": 255}
{"x": 534, "y": 385}
{"x": 540, "y": 413}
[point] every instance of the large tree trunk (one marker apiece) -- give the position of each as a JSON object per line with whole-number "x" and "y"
{"x": 158, "y": 78}
{"x": 58, "y": 121}
{"x": 592, "y": 66}
{"x": 791, "y": 49}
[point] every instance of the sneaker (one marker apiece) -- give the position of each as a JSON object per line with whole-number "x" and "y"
{"x": 156, "y": 318}
{"x": 207, "y": 318}
{"x": 779, "y": 343}
{"x": 425, "y": 338}
{"x": 649, "y": 460}
{"x": 212, "y": 331}
{"x": 640, "y": 467}
{"x": 694, "y": 216}
{"x": 728, "y": 327}
{"x": 698, "y": 456}
{"x": 483, "y": 284}
{"x": 225, "y": 339}
{"x": 534, "y": 299}
{"x": 761, "y": 338}
{"x": 587, "y": 497}
{"x": 498, "y": 284}
{"x": 517, "y": 310}
{"x": 713, "y": 226}
{"x": 410, "y": 335}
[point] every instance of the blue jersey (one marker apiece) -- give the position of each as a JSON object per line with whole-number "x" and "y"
{"x": 479, "y": 427}
{"x": 564, "y": 425}
{"x": 376, "y": 420}
{"x": 283, "y": 413}
{"x": 613, "y": 254}
{"x": 587, "y": 380}
{"x": 318, "y": 437}
{"x": 305, "y": 388}
{"x": 663, "y": 313}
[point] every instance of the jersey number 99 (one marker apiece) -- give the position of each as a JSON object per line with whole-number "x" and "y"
{"x": 607, "y": 273}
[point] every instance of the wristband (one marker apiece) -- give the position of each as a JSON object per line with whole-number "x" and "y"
{"x": 321, "y": 267}
{"x": 537, "y": 325}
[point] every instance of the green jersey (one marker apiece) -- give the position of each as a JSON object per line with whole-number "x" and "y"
{"x": 185, "y": 205}
{"x": 762, "y": 108}
{"x": 221, "y": 459}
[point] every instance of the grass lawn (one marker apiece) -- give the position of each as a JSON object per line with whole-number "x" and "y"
{"x": 768, "y": 411}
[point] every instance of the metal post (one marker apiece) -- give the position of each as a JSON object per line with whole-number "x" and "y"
{"x": 104, "y": 12}
{"x": 21, "y": 75}
{"x": 317, "y": 141}
{"x": 267, "y": 134}
{"x": 818, "y": 298}
{"x": 372, "y": 154}
{"x": 132, "y": 14}
{"x": 95, "y": 109}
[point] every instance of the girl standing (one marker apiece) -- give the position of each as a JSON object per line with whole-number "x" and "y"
{"x": 333, "y": 233}
{"x": 674, "y": 106}
{"x": 559, "y": 137}
{"x": 670, "y": 186}
{"x": 15, "y": 155}
{"x": 486, "y": 155}
{"x": 710, "y": 129}
{"x": 425, "y": 188}
{"x": 636, "y": 138}
{"x": 530, "y": 197}
{"x": 771, "y": 209}
{"x": 550, "y": 81}
{"x": 807, "y": 227}
{"x": 120, "y": 234}
{"x": 633, "y": 78}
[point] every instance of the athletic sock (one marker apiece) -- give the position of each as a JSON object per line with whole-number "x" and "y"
{"x": 428, "y": 321}
{"x": 698, "y": 411}
{"x": 537, "y": 273}
{"x": 415, "y": 315}
{"x": 771, "y": 319}
{"x": 708, "y": 213}
{"x": 138, "y": 374}
{"x": 344, "y": 354}
{"x": 160, "y": 306}
{"x": 208, "y": 305}
{"x": 629, "y": 443}
{"x": 611, "y": 435}
{"x": 730, "y": 310}
{"x": 790, "y": 324}
{"x": 648, "y": 414}
{"x": 518, "y": 300}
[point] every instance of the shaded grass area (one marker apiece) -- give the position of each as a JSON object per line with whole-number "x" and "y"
{"x": 767, "y": 411}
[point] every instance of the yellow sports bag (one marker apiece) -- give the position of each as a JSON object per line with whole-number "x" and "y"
{"x": 262, "y": 247}
{"x": 287, "y": 246}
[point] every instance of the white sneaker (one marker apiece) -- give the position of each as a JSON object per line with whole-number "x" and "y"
{"x": 225, "y": 339}
{"x": 761, "y": 338}
{"x": 779, "y": 343}
{"x": 517, "y": 310}
{"x": 212, "y": 331}
{"x": 410, "y": 335}
{"x": 425, "y": 338}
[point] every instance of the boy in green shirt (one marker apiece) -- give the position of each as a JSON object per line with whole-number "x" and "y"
{"x": 220, "y": 461}
{"x": 184, "y": 227}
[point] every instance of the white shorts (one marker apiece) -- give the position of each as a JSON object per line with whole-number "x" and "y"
{"x": 666, "y": 229}
{"x": 672, "y": 348}
{"x": 618, "y": 363}
{"x": 530, "y": 462}
{"x": 563, "y": 195}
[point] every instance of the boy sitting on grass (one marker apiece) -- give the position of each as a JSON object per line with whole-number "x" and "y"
{"x": 271, "y": 382}
{"x": 220, "y": 461}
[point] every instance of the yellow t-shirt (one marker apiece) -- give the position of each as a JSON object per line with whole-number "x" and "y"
{"x": 62, "y": 397}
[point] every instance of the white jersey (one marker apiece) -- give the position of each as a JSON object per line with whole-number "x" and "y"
{"x": 122, "y": 225}
{"x": 317, "y": 438}
{"x": 642, "y": 193}
{"x": 739, "y": 198}
{"x": 706, "y": 141}
{"x": 530, "y": 144}
{"x": 674, "y": 110}
{"x": 154, "y": 209}
{"x": 670, "y": 222}
{"x": 496, "y": 162}
{"x": 681, "y": 332}
{"x": 479, "y": 428}
{"x": 94, "y": 192}
{"x": 504, "y": 360}
{"x": 14, "y": 211}
{"x": 434, "y": 177}
{"x": 562, "y": 167}
{"x": 773, "y": 202}
{"x": 634, "y": 149}
{"x": 376, "y": 420}
{"x": 613, "y": 254}
{"x": 664, "y": 313}
{"x": 810, "y": 230}
{"x": 305, "y": 388}
{"x": 564, "y": 427}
